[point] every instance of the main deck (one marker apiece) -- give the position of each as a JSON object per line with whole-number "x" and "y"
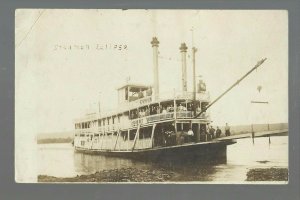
{"x": 201, "y": 150}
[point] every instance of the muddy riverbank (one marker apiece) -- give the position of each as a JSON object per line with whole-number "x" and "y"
{"x": 116, "y": 175}
{"x": 159, "y": 175}
{"x": 268, "y": 174}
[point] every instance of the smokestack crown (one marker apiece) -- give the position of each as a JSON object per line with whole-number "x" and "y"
{"x": 183, "y": 47}
{"x": 154, "y": 42}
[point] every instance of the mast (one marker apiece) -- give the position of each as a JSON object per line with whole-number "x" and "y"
{"x": 259, "y": 63}
{"x": 194, "y": 80}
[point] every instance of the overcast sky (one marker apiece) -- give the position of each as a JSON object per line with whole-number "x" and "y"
{"x": 54, "y": 86}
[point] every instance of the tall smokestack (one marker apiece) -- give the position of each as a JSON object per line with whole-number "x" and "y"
{"x": 155, "y": 43}
{"x": 183, "y": 49}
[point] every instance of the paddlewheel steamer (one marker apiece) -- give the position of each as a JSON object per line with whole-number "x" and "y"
{"x": 151, "y": 125}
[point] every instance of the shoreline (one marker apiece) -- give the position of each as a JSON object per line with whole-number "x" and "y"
{"x": 116, "y": 175}
{"x": 159, "y": 175}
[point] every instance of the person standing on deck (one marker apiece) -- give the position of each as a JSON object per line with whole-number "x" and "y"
{"x": 211, "y": 132}
{"x": 164, "y": 111}
{"x": 227, "y": 130}
{"x": 218, "y": 132}
{"x": 190, "y": 135}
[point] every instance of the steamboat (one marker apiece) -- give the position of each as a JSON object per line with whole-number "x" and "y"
{"x": 150, "y": 125}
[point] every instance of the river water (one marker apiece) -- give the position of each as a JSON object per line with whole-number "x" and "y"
{"x": 60, "y": 160}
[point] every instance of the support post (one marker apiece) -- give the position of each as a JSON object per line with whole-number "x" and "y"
{"x": 136, "y": 137}
{"x": 198, "y": 133}
{"x": 152, "y": 135}
{"x": 117, "y": 139}
{"x": 194, "y": 80}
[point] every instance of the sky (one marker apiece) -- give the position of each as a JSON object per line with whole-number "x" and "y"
{"x": 53, "y": 85}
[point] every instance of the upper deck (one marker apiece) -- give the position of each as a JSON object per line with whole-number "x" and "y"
{"x": 146, "y": 111}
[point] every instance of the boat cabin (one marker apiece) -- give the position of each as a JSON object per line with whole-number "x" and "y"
{"x": 132, "y": 92}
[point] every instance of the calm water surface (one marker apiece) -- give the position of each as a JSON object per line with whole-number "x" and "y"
{"x": 60, "y": 160}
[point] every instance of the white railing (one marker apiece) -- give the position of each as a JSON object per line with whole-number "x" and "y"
{"x": 184, "y": 114}
{"x": 166, "y": 116}
{"x": 145, "y": 101}
{"x": 152, "y": 118}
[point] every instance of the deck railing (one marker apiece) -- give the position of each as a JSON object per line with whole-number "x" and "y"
{"x": 165, "y": 116}
{"x": 143, "y": 120}
{"x": 164, "y": 96}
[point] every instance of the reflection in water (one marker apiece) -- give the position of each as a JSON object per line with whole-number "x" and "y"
{"x": 86, "y": 163}
{"x": 60, "y": 160}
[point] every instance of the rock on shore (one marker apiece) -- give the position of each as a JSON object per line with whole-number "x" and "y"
{"x": 116, "y": 175}
{"x": 268, "y": 174}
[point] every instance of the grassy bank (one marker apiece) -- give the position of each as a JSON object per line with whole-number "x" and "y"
{"x": 269, "y": 174}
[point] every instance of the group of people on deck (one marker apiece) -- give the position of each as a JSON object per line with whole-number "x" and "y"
{"x": 216, "y": 133}
{"x": 156, "y": 109}
{"x": 159, "y": 109}
{"x": 167, "y": 136}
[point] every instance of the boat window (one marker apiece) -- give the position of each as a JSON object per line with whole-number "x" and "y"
{"x": 197, "y": 104}
{"x": 203, "y": 129}
{"x": 134, "y": 114}
{"x": 190, "y": 106}
{"x": 145, "y": 133}
{"x": 124, "y": 135}
{"x": 132, "y": 134}
{"x": 181, "y": 105}
{"x": 183, "y": 127}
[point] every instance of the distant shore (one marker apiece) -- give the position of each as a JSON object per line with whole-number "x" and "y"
{"x": 159, "y": 175}
{"x": 54, "y": 140}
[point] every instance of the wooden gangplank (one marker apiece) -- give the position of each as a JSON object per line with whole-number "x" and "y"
{"x": 256, "y": 134}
